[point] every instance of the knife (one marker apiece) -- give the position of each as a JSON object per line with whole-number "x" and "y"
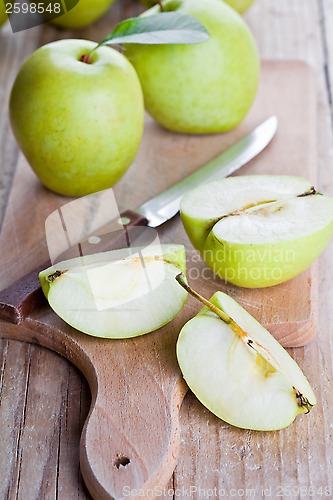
{"x": 21, "y": 298}
{"x": 165, "y": 205}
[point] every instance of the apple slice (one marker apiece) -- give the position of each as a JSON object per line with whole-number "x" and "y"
{"x": 258, "y": 231}
{"x": 237, "y": 369}
{"x": 120, "y": 293}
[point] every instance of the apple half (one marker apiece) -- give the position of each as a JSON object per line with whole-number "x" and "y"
{"x": 260, "y": 230}
{"x": 117, "y": 294}
{"x": 238, "y": 370}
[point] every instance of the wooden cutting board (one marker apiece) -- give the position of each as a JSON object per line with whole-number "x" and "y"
{"x": 131, "y": 436}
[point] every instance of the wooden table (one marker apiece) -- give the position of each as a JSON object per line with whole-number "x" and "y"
{"x": 44, "y": 400}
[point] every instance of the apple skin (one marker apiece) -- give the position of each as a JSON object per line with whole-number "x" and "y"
{"x": 83, "y": 14}
{"x": 239, "y": 5}
{"x": 202, "y": 88}
{"x": 3, "y": 15}
{"x": 148, "y": 3}
{"x": 79, "y": 125}
{"x": 253, "y": 265}
{"x": 288, "y": 260}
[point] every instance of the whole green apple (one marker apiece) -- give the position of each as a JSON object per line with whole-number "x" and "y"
{"x": 203, "y": 88}
{"x": 258, "y": 231}
{"x": 78, "y": 124}
{"x": 83, "y": 14}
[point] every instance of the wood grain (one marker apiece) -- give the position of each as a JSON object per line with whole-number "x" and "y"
{"x": 299, "y": 456}
{"x": 291, "y": 321}
{"x": 211, "y": 455}
{"x": 131, "y": 441}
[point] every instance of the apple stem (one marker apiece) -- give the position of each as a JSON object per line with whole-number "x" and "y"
{"x": 161, "y": 5}
{"x": 86, "y": 58}
{"x": 183, "y": 282}
{"x": 238, "y": 330}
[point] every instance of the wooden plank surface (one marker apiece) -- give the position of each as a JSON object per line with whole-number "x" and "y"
{"x": 301, "y": 457}
{"x": 289, "y": 310}
{"x": 146, "y": 368}
{"x": 32, "y": 446}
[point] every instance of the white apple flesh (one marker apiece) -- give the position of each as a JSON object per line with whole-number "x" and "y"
{"x": 117, "y": 294}
{"x": 258, "y": 231}
{"x": 238, "y": 370}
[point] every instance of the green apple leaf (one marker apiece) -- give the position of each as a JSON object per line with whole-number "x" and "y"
{"x": 162, "y": 28}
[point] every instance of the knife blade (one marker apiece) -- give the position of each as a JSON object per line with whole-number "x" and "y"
{"x": 165, "y": 205}
{"x": 25, "y": 295}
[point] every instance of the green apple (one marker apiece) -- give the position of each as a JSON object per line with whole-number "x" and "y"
{"x": 239, "y": 5}
{"x": 120, "y": 293}
{"x": 3, "y": 15}
{"x": 238, "y": 370}
{"x": 258, "y": 231}
{"x": 83, "y": 14}
{"x": 79, "y": 124}
{"x": 149, "y": 3}
{"x": 203, "y": 88}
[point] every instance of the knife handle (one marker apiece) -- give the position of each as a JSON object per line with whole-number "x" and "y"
{"x": 24, "y": 296}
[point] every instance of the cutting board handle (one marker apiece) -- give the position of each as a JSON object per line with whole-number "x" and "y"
{"x": 114, "y": 464}
{"x": 131, "y": 437}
